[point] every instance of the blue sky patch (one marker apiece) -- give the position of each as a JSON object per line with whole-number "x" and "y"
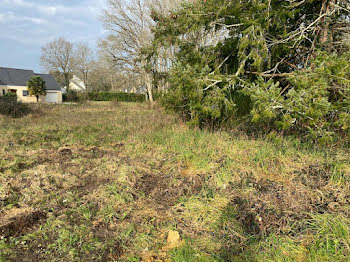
{"x": 27, "y": 25}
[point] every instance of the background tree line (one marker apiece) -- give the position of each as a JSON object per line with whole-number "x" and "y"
{"x": 63, "y": 59}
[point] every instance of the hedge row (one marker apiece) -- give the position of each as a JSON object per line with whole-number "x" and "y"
{"x": 118, "y": 96}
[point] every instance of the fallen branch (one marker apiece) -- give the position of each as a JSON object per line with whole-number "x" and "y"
{"x": 270, "y": 75}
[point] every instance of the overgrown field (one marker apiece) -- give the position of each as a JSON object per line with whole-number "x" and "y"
{"x": 109, "y": 181}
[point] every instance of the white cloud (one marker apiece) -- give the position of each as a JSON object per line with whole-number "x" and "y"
{"x": 10, "y": 17}
{"x": 47, "y": 10}
{"x": 75, "y": 22}
{"x": 35, "y": 20}
{"x": 21, "y": 3}
{"x": 26, "y": 25}
{"x": 50, "y": 8}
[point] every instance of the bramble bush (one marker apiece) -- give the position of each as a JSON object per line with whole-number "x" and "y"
{"x": 72, "y": 96}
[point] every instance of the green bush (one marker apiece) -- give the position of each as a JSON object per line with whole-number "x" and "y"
{"x": 197, "y": 103}
{"x": 112, "y": 96}
{"x": 317, "y": 105}
{"x": 263, "y": 75}
{"x": 10, "y": 95}
{"x": 71, "y": 96}
{"x": 9, "y": 106}
{"x": 314, "y": 103}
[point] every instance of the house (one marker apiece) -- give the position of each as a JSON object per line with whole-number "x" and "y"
{"x": 76, "y": 84}
{"x": 15, "y": 81}
{"x": 141, "y": 90}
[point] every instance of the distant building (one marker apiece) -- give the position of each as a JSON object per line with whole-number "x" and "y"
{"x": 76, "y": 84}
{"x": 15, "y": 81}
{"x": 141, "y": 90}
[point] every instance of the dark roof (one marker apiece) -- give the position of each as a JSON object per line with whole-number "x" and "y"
{"x": 19, "y": 77}
{"x": 51, "y": 83}
{"x": 15, "y": 77}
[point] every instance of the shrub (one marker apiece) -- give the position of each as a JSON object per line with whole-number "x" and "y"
{"x": 10, "y": 107}
{"x": 312, "y": 102}
{"x": 71, "y": 96}
{"x": 11, "y": 95}
{"x": 198, "y": 101}
{"x": 309, "y": 92}
{"x": 112, "y": 96}
{"x": 266, "y": 102}
{"x": 317, "y": 105}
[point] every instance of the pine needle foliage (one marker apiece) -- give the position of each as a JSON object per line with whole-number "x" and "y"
{"x": 277, "y": 65}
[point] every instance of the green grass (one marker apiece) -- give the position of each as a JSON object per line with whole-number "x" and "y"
{"x": 132, "y": 173}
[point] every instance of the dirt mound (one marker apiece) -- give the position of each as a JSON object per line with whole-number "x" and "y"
{"x": 272, "y": 206}
{"x": 16, "y": 221}
{"x": 102, "y": 232}
{"x": 64, "y": 154}
{"x": 165, "y": 190}
{"x": 65, "y": 151}
{"x": 89, "y": 184}
{"x": 97, "y": 152}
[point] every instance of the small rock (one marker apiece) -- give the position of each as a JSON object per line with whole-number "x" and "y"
{"x": 173, "y": 240}
{"x": 147, "y": 257}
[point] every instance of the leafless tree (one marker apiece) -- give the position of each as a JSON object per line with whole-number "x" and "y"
{"x": 129, "y": 23}
{"x": 58, "y": 56}
{"x": 84, "y": 60}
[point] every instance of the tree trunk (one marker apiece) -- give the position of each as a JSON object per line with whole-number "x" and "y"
{"x": 147, "y": 79}
{"x": 148, "y": 82}
{"x": 86, "y": 80}
{"x": 66, "y": 80}
{"x": 37, "y": 98}
{"x": 326, "y": 33}
{"x": 112, "y": 82}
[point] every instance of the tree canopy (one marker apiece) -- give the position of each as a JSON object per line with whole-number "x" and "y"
{"x": 281, "y": 64}
{"x": 36, "y": 87}
{"x": 58, "y": 56}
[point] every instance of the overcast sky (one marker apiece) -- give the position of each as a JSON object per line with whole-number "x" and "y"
{"x": 27, "y": 25}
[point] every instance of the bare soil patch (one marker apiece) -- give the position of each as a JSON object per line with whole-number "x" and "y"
{"x": 16, "y": 221}
{"x": 165, "y": 190}
{"x": 272, "y": 206}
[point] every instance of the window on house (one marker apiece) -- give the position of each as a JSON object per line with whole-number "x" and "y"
{"x": 3, "y": 91}
{"x": 25, "y": 93}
